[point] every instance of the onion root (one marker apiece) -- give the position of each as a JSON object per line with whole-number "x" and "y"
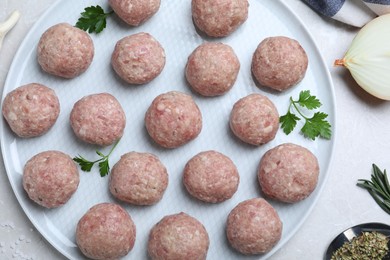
{"x": 339, "y": 62}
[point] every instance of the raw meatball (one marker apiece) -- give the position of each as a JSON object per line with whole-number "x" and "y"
{"x": 98, "y": 119}
{"x": 139, "y": 178}
{"x": 138, "y": 58}
{"x": 50, "y": 178}
{"x": 279, "y": 63}
{"x": 219, "y": 18}
{"x": 254, "y": 119}
{"x": 211, "y": 177}
{"x": 106, "y": 231}
{"x": 178, "y": 236}
{"x": 288, "y": 173}
{"x": 31, "y": 110}
{"x": 253, "y": 227}
{"x": 173, "y": 119}
{"x": 135, "y": 12}
{"x": 212, "y": 69}
{"x": 65, "y": 51}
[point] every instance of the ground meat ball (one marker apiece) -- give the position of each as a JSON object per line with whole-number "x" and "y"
{"x": 98, "y": 119}
{"x": 139, "y": 178}
{"x": 106, "y": 231}
{"x": 178, "y": 236}
{"x": 31, "y": 110}
{"x": 138, "y": 58}
{"x": 254, "y": 119}
{"x": 212, "y": 69}
{"x": 50, "y": 178}
{"x": 65, "y": 51}
{"x": 219, "y": 18}
{"x": 253, "y": 227}
{"x": 288, "y": 173}
{"x": 135, "y": 12}
{"x": 279, "y": 63}
{"x": 211, "y": 177}
{"x": 173, "y": 119}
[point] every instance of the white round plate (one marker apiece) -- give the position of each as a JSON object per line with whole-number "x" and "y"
{"x": 172, "y": 26}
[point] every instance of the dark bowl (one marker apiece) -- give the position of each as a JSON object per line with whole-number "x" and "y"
{"x": 348, "y": 234}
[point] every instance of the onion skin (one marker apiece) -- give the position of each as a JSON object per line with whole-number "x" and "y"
{"x": 368, "y": 57}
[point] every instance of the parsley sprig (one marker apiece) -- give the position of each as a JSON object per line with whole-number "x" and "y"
{"x": 378, "y": 187}
{"x": 93, "y": 19}
{"x": 315, "y": 126}
{"x": 104, "y": 167}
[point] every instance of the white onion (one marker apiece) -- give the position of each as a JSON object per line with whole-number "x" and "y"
{"x": 8, "y": 24}
{"x": 368, "y": 57}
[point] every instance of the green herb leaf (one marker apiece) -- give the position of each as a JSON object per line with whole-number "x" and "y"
{"x": 315, "y": 126}
{"x": 308, "y": 101}
{"x": 93, "y": 19}
{"x": 85, "y": 165}
{"x": 381, "y": 180}
{"x": 288, "y": 121}
{"x": 378, "y": 188}
{"x": 100, "y": 154}
{"x": 104, "y": 167}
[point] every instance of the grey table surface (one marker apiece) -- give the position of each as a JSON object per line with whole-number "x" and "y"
{"x": 362, "y": 139}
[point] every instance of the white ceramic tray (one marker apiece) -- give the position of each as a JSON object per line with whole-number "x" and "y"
{"x": 173, "y": 27}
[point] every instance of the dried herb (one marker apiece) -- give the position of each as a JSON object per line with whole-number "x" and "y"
{"x": 367, "y": 246}
{"x": 378, "y": 187}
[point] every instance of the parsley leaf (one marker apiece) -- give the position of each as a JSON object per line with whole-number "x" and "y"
{"x": 84, "y": 163}
{"x": 308, "y": 101}
{"x": 104, "y": 167}
{"x": 288, "y": 121}
{"x": 315, "y": 126}
{"x": 93, "y": 19}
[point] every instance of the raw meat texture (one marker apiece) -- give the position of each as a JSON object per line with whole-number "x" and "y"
{"x": 50, "y": 178}
{"x": 211, "y": 176}
{"x": 212, "y": 69}
{"x": 98, "y": 119}
{"x": 105, "y": 231}
{"x": 31, "y": 110}
{"x": 288, "y": 173}
{"x": 219, "y": 18}
{"x": 65, "y": 51}
{"x": 253, "y": 227}
{"x": 139, "y": 179}
{"x": 173, "y": 119}
{"x": 178, "y": 236}
{"x": 135, "y": 12}
{"x": 254, "y": 119}
{"x": 279, "y": 63}
{"x": 138, "y": 58}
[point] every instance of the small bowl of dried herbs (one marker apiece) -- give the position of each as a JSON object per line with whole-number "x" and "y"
{"x": 365, "y": 241}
